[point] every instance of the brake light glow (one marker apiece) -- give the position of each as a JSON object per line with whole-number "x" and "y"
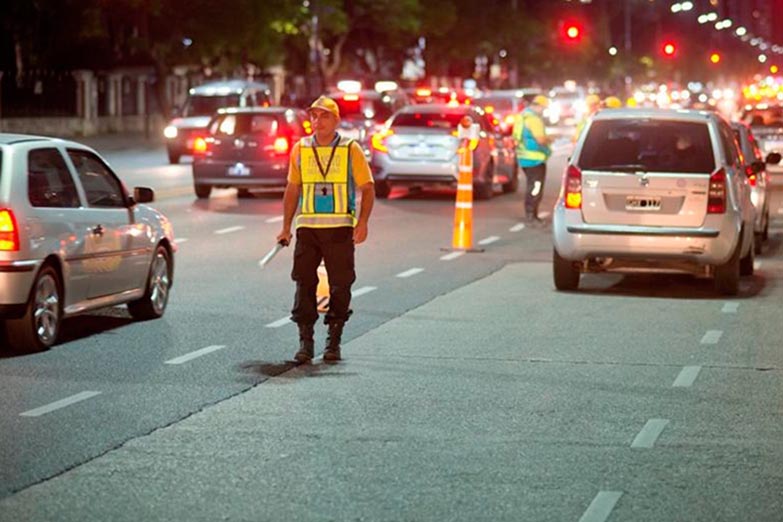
{"x": 751, "y": 175}
{"x": 351, "y": 97}
{"x": 9, "y": 234}
{"x": 489, "y": 109}
{"x": 423, "y": 92}
{"x": 378, "y": 140}
{"x": 573, "y": 187}
{"x": 200, "y": 145}
{"x": 308, "y": 127}
{"x": 716, "y": 196}
{"x": 281, "y": 145}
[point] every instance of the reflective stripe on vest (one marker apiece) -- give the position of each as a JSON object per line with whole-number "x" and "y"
{"x": 326, "y": 201}
{"x": 527, "y": 146}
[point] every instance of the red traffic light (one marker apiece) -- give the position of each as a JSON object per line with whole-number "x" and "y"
{"x": 669, "y": 49}
{"x": 715, "y": 57}
{"x": 571, "y": 31}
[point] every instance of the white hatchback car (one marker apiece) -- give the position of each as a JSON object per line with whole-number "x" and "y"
{"x": 72, "y": 239}
{"x": 660, "y": 189}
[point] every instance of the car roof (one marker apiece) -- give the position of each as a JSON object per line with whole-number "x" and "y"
{"x": 224, "y": 87}
{"x": 439, "y": 107}
{"x": 364, "y": 93}
{"x": 657, "y": 114}
{"x": 12, "y": 139}
{"x": 257, "y": 110}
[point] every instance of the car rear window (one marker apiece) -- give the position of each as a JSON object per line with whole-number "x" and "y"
{"x": 435, "y": 120}
{"x": 649, "y": 145}
{"x": 243, "y": 124}
{"x": 208, "y": 105}
{"x": 766, "y": 117}
{"x": 358, "y": 107}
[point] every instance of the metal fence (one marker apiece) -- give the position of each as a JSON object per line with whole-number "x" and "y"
{"x": 37, "y": 93}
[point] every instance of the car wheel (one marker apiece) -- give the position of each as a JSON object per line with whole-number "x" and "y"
{"x": 727, "y": 276}
{"x": 156, "y": 295}
{"x": 244, "y": 193}
{"x": 512, "y": 186}
{"x": 202, "y": 191}
{"x": 174, "y": 156}
{"x": 382, "y": 189}
{"x": 746, "y": 263}
{"x": 566, "y": 274}
{"x": 39, "y": 327}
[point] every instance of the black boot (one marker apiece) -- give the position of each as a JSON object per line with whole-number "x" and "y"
{"x": 306, "y": 344}
{"x": 332, "y": 351}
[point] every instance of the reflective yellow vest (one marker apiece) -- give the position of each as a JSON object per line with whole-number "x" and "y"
{"x": 529, "y": 152}
{"x": 326, "y": 201}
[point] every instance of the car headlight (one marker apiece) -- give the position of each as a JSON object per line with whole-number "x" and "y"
{"x": 170, "y": 132}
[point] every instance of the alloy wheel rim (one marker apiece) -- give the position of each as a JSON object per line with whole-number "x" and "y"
{"x": 159, "y": 283}
{"x": 47, "y": 309}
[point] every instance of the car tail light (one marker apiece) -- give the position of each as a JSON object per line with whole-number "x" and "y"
{"x": 510, "y": 119}
{"x": 716, "y": 196}
{"x": 281, "y": 145}
{"x": 351, "y": 97}
{"x": 573, "y": 187}
{"x": 423, "y": 92}
{"x": 751, "y": 175}
{"x": 378, "y": 140}
{"x": 489, "y": 109}
{"x": 9, "y": 234}
{"x": 200, "y": 145}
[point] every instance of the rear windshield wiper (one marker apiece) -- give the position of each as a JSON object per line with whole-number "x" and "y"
{"x": 624, "y": 167}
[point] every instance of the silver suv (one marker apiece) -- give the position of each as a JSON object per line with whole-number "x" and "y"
{"x": 662, "y": 189}
{"x": 72, "y": 239}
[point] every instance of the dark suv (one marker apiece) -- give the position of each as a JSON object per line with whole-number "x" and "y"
{"x": 202, "y": 103}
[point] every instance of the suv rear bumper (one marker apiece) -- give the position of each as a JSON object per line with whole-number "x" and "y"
{"x": 262, "y": 174}
{"x": 711, "y": 244}
{"x": 16, "y": 280}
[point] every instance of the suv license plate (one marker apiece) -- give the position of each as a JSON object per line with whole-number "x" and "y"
{"x": 238, "y": 170}
{"x": 642, "y": 203}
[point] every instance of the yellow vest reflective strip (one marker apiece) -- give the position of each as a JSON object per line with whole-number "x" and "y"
{"x": 325, "y": 200}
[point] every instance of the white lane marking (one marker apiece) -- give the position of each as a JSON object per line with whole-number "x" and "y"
{"x": 488, "y": 240}
{"x": 756, "y": 264}
{"x": 711, "y": 337}
{"x": 452, "y": 255}
{"x": 543, "y": 215}
{"x": 601, "y": 506}
{"x": 517, "y": 227}
{"x": 280, "y": 322}
{"x": 62, "y": 403}
{"x": 363, "y": 290}
{"x": 276, "y": 219}
{"x": 229, "y": 230}
{"x": 730, "y": 308}
{"x": 686, "y": 377}
{"x": 180, "y": 240}
{"x": 409, "y": 273}
{"x": 194, "y": 354}
{"x": 650, "y": 433}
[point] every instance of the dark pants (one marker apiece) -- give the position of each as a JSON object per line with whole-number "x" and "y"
{"x": 533, "y": 175}
{"x": 335, "y": 247}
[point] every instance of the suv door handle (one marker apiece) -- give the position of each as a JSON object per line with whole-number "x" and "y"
{"x": 98, "y": 230}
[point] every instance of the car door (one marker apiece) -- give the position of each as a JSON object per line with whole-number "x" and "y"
{"x": 118, "y": 248}
{"x": 57, "y": 220}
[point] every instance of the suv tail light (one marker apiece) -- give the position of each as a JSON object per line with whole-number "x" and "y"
{"x": 751, "y": 175}
{"x": 378, "y": 140}
{"x": 200, "y": 145}
{"x": 281, "y": 145}
{"x": 716, "y": 196}
{"x": 9, "y": 233}
{"x": 573, "y": 187}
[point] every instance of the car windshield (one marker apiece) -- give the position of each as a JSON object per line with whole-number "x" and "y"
{"x": 358, "y": 108}
{"x": 243, "y": 124}
{"x": 434, "y": 120}
{"x": 648, "y": 145}
{"x": 208, "y": 105}
{"x": 769, "y": 117}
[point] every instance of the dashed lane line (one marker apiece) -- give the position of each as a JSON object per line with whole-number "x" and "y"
{"x": 488, "y": 240}
{"x": 180, "y": 240}
{"x": 409, "y": 273}
{"x": 730, "y": 307}
{"x": 363, "y": 290}
{"x": 601, "y": 506}
{"x": 195, "y": 354}
{"x": 276, "y": 219}
{"x": 62, "y": 403}
{"x": 687, "y": 377}
{"x": 229, "y": 230}
{"x": 517, "y": 227}
{"x": 280, "y": 322}
{"x": 650, "y": 433}
{"x": 452, "y": 255}
{"x": 711, "y": 337}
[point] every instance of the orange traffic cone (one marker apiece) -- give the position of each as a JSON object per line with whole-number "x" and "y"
{"x": 462, "y": 238}
{"x": 322, "y": 292}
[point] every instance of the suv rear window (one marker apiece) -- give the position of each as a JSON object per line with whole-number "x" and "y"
{"x": 242, "y": 124}
{"x": 435, "y": 120}
{"x": 648, "y": 145}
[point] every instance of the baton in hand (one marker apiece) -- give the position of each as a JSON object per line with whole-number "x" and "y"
{"x": 272, "y": 253}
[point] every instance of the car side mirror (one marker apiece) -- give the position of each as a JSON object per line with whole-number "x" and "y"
{"x": 773, "y": 158}
{"x": 143, "y": 195}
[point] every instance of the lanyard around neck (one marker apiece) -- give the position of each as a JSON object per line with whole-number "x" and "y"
{"x": 318, "y": 159}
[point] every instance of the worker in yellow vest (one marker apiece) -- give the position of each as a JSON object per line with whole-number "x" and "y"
{"x": 592, "y": 105}
{"x": 325, "y": 171}
{"x": 532, "y": 152}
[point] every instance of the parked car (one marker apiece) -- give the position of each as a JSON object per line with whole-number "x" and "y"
{"x": 202, "y": 103}
{"x": 72, "y": 239}
{"x": 655, "y": 188}
{"x": 418, "y": 146}
{"x": 247, "y": 148}
{"x": 756, "y": 170}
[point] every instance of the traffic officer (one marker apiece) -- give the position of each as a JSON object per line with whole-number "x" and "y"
{"x": 325, "y": 170}
{"x": 532, "y": 152}
{"x": 592, "y": 105}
